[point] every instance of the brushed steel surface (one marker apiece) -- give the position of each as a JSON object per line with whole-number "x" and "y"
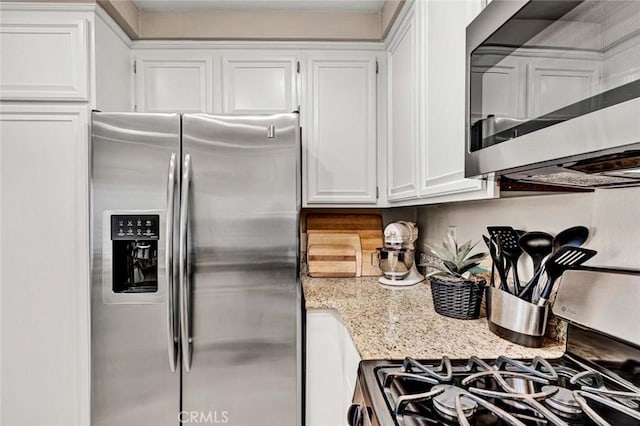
{"x": 601, "y": 299}
{"x": 243, "y": 268}
{"x": 610, "y": 130}
{"x": 131, "y": 381}
{"x": 513, "y": 313}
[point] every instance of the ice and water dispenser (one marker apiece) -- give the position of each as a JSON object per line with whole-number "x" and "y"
{"x": 134, "y": 253}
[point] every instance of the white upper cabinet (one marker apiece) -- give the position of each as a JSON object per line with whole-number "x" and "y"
{"x": 426, "y": 111}
{"x": 442, "y": 141}
{"x": 402, "y": 112}
{"x": 170, "y": 84}
{"x": 259, "y": 85}
{"x": 339, "y": 136}
{"x": 45, "y": 56}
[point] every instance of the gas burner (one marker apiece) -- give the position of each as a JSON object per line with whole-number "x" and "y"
{"x": 562, "y": 402}
{"x": 445, "y": 402}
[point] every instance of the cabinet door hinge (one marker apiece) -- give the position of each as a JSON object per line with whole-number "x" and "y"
{"x": 377, "y": 192}
{"x": 135, "y": 67}
{"x": 298, "y": 67}
{"x": 135, "y": 108}
{"x": 377, "y": 67}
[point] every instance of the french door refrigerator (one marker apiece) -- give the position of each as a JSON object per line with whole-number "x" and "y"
{"x": 196, "y": 300}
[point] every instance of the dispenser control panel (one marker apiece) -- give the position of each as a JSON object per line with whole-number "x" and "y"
{"x": 135, "y": 227}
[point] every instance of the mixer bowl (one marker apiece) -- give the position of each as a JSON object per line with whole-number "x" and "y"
{"x": 395, "y": 263}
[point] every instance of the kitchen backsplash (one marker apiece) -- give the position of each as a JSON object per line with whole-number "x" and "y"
{"x": 613, "y": 216}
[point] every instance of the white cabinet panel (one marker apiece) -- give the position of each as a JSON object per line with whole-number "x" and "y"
{"x": 45, "y": 56}
{"x": 340, "y": 131}
{"x": 44, "y": 258}
{"x": 174, "y": 85}
{"x": 331, "y": 373}
{"x": 402, "y": 113}
{"x": 258, "y": 86}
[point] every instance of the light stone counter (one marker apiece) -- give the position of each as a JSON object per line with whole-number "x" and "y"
{"x": 393, "y": 324}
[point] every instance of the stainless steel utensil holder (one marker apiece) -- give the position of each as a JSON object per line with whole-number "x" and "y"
{"x": 515, "y": 319}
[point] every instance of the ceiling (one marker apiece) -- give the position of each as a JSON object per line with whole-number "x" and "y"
{"x": 288, "y": 5}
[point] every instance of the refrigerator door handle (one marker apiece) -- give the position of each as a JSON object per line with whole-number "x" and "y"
{"x": 171, "y": 315}
{"x": 185, "y": 314}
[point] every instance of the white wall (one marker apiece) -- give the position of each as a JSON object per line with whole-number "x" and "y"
{"x": 113, "y": 67}
{"x": 613, "y": 215}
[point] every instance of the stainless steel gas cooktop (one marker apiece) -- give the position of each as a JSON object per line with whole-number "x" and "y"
{"x": 596, "y": 381}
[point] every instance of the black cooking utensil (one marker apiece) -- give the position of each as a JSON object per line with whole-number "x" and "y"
{"x": 501, "y": 266}
{"x": 507, "y": 238}
{"x": 574, "y": 237}
{"x": 492, "y": 253}
{"x": 537, "y": 245}
{"x": 565, "y": 258}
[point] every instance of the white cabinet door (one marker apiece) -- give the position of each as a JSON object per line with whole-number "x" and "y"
{"x": 402, "y": 110}
{"x": 426, "y": 114}
{"x": 443, "y": 109}
{"x": 45, "y": 56}
{"x": 339, "y": 143}
{"x": 174, "y": 85}
{"x": 44, "y": 265}
{"x": 258, "y": 85}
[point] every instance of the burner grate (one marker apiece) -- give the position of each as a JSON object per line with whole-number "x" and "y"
{"x": 507, "y": 391}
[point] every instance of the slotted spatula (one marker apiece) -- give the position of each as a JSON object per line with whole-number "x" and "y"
{"x": 565, "y": 258}
{"x": 510, "y": 250}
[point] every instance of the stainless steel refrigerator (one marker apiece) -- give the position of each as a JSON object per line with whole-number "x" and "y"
{"x": 196, "y": 299}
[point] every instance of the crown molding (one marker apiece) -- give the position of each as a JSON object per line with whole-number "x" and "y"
{"x": 254, "y": 44}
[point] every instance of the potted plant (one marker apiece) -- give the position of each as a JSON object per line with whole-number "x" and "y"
{"x": 456, "y": 287}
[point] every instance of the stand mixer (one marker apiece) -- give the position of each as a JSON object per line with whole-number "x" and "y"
{"x": 397, "y": 258}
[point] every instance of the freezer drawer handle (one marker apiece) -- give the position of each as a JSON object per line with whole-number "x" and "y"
{"x": 171, "y": 315}
{"x": 185, "y": 315}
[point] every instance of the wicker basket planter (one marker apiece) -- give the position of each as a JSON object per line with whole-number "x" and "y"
{"x": 457, "y": 298}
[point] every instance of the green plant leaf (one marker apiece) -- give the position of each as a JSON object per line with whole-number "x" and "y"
{"x": 478, "y": 270}
{"x": 451, "y": 266}
{"x": 436, "y": 251}
{"x": 463, "y": 251}
{"x": 440, "y": 270}
{"x": 477, "y": 257}
{"x": 455, "y": 259}
{"x": 450, "y": 244}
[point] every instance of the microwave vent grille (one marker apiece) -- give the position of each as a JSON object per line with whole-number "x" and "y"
{"x": 580, "y": 180}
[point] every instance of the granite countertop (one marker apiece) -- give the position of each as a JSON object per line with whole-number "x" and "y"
{"x": 395, "y": 323}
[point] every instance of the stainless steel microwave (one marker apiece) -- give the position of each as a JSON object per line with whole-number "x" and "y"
{"x": 553, "y": 92}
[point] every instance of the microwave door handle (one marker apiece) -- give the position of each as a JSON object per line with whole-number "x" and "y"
{"x": 171, "y": 314}
{"x": 185, "y": 287}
